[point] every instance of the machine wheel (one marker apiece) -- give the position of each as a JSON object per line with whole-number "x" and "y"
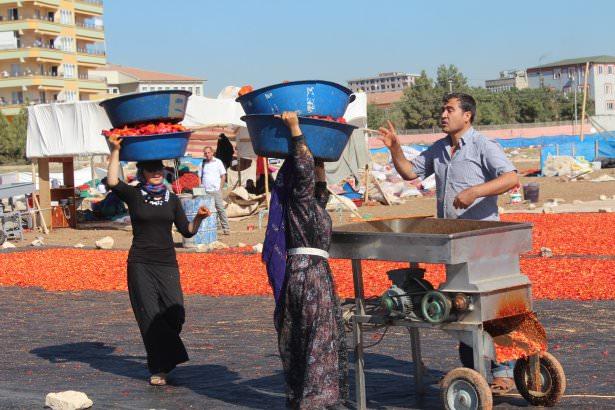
{"x": 2, "y": 236}
{"x": 465, "y": 389}
{"x": 435, "y": 307}
{"x": 553, "y": 381}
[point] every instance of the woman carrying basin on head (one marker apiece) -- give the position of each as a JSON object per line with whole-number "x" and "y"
{"x": 308, "y": 319}
{"x": 153, "y": 274}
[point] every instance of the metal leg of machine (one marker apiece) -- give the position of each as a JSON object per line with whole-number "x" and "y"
{"x": 357, "y": 328}
{"x": 419, "y": 371}
{"x": 479, "y": 352}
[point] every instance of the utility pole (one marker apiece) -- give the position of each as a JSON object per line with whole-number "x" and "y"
{"x": 574, "y": 84}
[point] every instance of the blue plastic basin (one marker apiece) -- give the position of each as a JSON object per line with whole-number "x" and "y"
{"x": 158, "y": 146}
{"x": 271, "y": 138}
{"x": 151, "y": 106}
{"x": 306, "y": 97}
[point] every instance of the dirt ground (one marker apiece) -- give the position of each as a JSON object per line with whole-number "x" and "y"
{"x": 246, "y": 231}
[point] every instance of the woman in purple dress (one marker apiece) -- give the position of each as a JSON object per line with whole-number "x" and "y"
{"x": 308, "y": 319}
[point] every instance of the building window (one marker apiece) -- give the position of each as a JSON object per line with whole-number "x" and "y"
{"x": 66, "y": 17}
{"x": 69, "y": 71}
{"x": 197, "y": 90}
{"x": 610, "y": 105}
{"x": 13, "y": 14}
{"x": 557, "y": 73}
{"x": 16, "y": 97}
{"x": 610, "y": 69}
{"x": 608, "y": 88}
{"x": 599, "y": 69}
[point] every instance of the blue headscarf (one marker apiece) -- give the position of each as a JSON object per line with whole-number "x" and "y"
{"x": 274, "y": 247}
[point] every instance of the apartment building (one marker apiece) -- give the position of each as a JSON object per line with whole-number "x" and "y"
{"x": 565, "y": 75}
{"x": 122, "y": 80}
{"x": 383, "y": 82}
{"x": 47, "y": 48}
{"x": 508, "y": 80}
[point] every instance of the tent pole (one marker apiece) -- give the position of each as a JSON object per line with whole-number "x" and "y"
{"x": 366, "y": 193}
{"x": 44, "y": 205}
{"x": 92, "y": 173}
{"x": 33, "y": 213}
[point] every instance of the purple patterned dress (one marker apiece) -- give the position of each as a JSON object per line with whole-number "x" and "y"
{"x": 311, "y": 335}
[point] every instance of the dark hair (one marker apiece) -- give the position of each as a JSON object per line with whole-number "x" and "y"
{"x": 149, "y": 166}
{"x": 466, "y": 102}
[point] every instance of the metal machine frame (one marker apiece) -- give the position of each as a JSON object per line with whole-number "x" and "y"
{"x": 481, "y": 258}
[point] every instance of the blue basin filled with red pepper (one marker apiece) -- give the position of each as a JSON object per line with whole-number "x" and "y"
{"x": 156, "y": 146}
{"x": 271, "y": 138}
{"x": 151, "y": 106}
{"x": 311, "y": 97}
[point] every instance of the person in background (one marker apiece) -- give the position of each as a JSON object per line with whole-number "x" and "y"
{"x": 224, "y": 150}
{"x": 307, "y": 317}
{"x": 250, "y": 187}
{"x": 471, "y": 171}
{"x": 153, "y": 274}
{"x": 213, "y": 178}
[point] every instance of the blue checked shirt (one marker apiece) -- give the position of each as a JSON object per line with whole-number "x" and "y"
{"x": 477, "y": 161}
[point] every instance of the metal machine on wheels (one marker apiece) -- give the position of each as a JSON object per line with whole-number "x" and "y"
{"x": 485, "y": 302}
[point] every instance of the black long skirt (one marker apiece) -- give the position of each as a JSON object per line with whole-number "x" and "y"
{"x": 158, "y": 304}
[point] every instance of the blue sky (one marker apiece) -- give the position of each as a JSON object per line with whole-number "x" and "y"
{"x": 238, "y": 42}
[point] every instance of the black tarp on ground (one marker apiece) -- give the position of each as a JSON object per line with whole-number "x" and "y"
{"x": 89, "y": 341}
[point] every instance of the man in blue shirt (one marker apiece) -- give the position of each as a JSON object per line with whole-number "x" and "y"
{"x": 471, "y": 171}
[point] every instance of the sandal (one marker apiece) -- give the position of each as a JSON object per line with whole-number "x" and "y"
{"x": 158, "y": 379}
{"x": 501, "y": 385}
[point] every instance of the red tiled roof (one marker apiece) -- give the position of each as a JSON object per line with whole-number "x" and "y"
{"x": 145, "y": 75}
{"x": 384, "y": 98}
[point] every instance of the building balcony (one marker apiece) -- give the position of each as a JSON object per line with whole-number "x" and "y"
{"x": 11, "y": 110}
{"x": 89, "y": 32}
{"x": 42, "y": 24}
{"x": 41, "y": 52}
{"x": 91, "y": 84}
{"x": 47, "y": 3}
{"x": 92, "y": 7}
{"x": 91, "y": 59}
{"x": 43, "y": 81}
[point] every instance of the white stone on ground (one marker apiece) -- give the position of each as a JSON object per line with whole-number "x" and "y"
{"x": 68, "y": 400}
{"x": 105, "y": 243}
{"x": 546, "y": 252}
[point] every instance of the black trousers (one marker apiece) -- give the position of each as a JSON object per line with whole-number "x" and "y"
{"x": 158, "y": 304}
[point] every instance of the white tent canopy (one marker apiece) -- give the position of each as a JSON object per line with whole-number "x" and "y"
{"x": 204, "y": 112}
{"x": 66, "y": 129}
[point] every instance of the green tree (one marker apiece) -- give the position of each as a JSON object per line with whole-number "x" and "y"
{"x": 419, "y": 106}
{"x": 458, "y": 81}
{"x": 13, "y": 137}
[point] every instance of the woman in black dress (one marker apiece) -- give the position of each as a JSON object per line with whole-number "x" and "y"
{"x": 153, "y": 274}
{"x": 308, "y": 319}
